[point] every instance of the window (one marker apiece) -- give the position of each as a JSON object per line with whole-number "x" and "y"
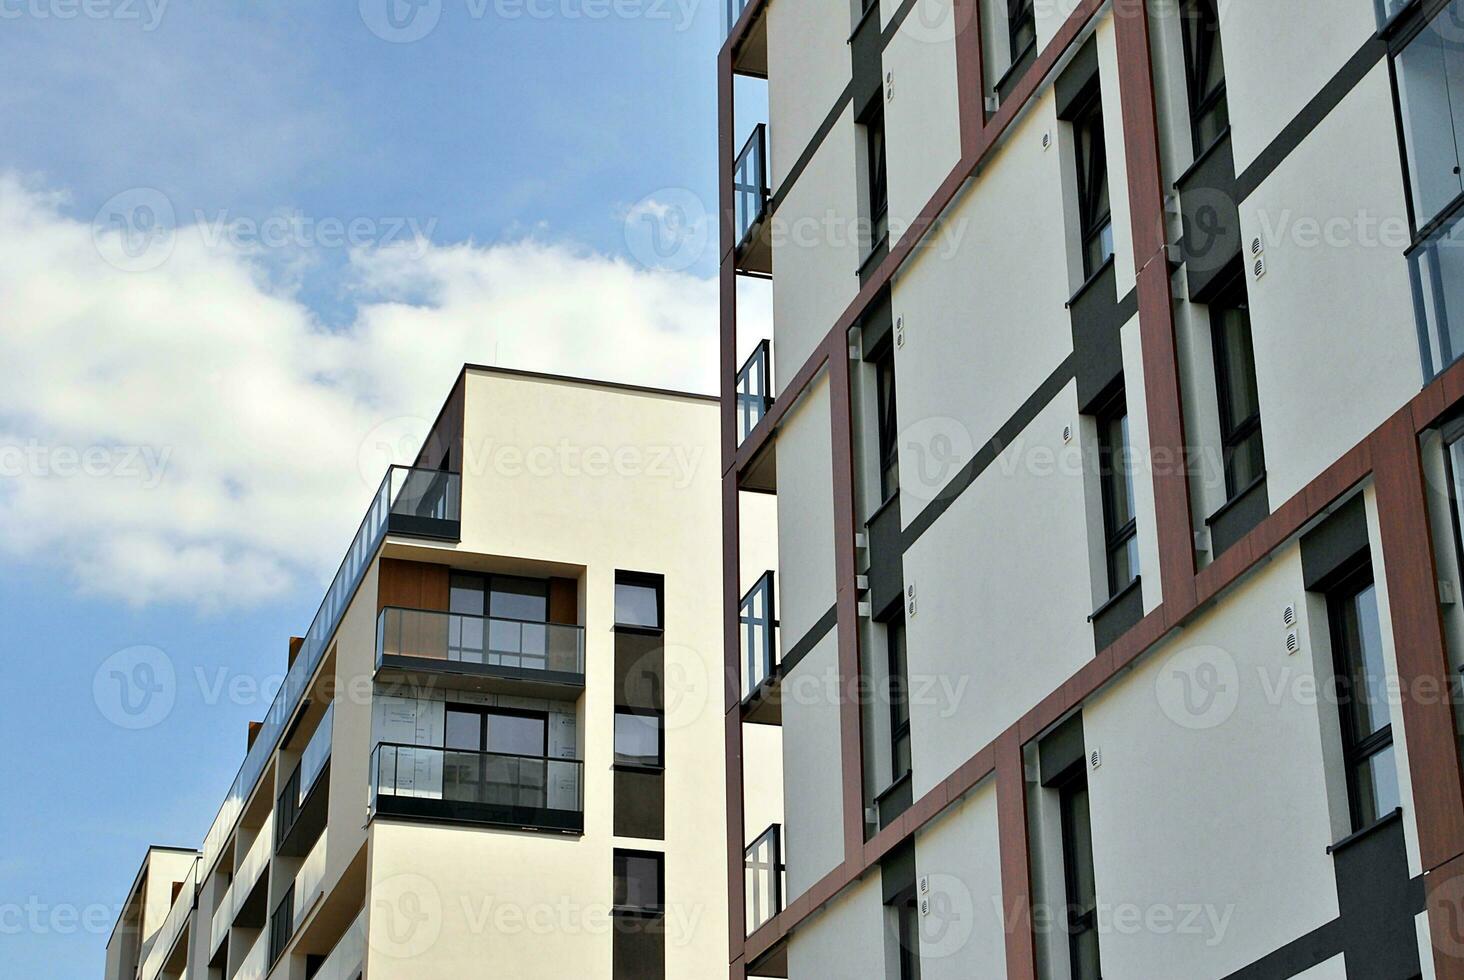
{"x": 1367, "y": 724}
{"x": 1235, "y": 386}
{"x": 1021, "y": 27}
{"x": 1430, "y": 73}
{"x": 494, "y": 755}
{"x": 639, "y": 882}
{"x": 1115, "y": 469}
{"x": 1077, "y": 860}
{"x": 496, "y": 730}
{"x": 1204, "y": 72}
{"x": 907, "y": 919}
{"x": 638, "y": 600}
{"x": 878, "y": 181}
{"x": 638, "y": 739}
{"x": 889, "y": 426}
{"x": 508, "y": 603}
{"x": 1095, "y": 221}
{"x": 899, "y": 700}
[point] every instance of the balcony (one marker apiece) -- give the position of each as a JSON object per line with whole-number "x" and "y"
{"x": 308, "y": 882}
{"x": 281, "y": 926}
{"x": 765, "y": 878}
{"x": 750, "y": 50}
{"x": 256, "y": 963}
{"x": 761, "y": 670}
{"x": 1437, "y": 263}
{"x": 246, "y": 890}
{"x": 516, "y": 791}
{"x": 160, "y": 953}
{"x": 750, "y": 200}
{"x": 504, "y": 656}
{"x": 408, "y": 501}
{"x": 754, "y": 390}
{"x": 345, "y": 961}
{"x": 301, "y": 808}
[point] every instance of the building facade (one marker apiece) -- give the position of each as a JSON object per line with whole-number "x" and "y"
{"x": 498, "y": 750}
{"x": 1112, "y": 417}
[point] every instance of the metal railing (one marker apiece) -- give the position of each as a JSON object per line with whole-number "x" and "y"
{"x": 754, "y": 389}
{"x": 489, "y": 778}
{"x": 1437, "y": 265}
{"x": 758, "y": 623}
{"x": 400, "y": 492}
{"x": 459, "y": 638}
{"x": 750, "y": 183}
{"x": 172, "y": 927}
{"x": 765, "y": 881}
{"x": 317, "y": 753}
{"x": 282, "y": 925}
{"x": 732, "y": 11}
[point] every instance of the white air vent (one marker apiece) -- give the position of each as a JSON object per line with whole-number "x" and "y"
{"x": 1257, "y": 245}
{"x": 889, "y": 86}
{"x": 1095, "y": 758}
{"x": 1288, "y": 616}
{"x": 1448, "y": 595}
{"x": 899, "y": 331}
{"x": 1067, "y": 434}
{"x": 1258, "y": 268}
{"x": 924, "y": 905}
{"x": 1046, "y": 141}
{"x": 1293, "y": 642}
{"x": 910, "y": 600}
{"x": 925, "y": 884}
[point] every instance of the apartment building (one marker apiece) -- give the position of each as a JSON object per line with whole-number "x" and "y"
{"x": 1112, "y": 412}
{"x": 498, "y": 750}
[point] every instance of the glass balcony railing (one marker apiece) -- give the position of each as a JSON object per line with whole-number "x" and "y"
{"x": 757, "y": 618}
{"x": 316, "y": 754}
{"x": 172, "y": 927}
{"x": 344, "y": 961}
{"x": 456, "y": 638}
{"x": 256, "y": 963}
{"x": 750, "y": 184}
{"x": 409, "y": 501}
{"x": 530, "y": 792}
{"x": 308, "y": 881}
{"x": 754, "y": 389}
{"x": 1438, "y": 295}
{"x": 765, "y": 881}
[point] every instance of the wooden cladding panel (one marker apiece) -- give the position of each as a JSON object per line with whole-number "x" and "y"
{"x": 412, "y": 585}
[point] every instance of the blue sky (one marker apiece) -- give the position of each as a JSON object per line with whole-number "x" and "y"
{"x": 235, "y": 395}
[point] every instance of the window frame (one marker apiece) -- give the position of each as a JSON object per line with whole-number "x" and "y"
{"x": 1067, "y": 784}
{"x": 484, "y": 712}
{"x": 649, "y": 580}
{"x": 898, "y": 665}
{"x": 633, "y": 764}
{"x": 1201, "y": 103}
{"x": 1232, "y": 437}
{"x": 876, "y": 168}
{"x": 1021, "y": 18}
{"x": 1401, "y": 30}
{"x": 887, "y": 415}
{"x": 1357, "y": 750}
{"x": 1116, "y": 537}
{"x": 1092, "y": 176}
{"x": 618, "y": 857}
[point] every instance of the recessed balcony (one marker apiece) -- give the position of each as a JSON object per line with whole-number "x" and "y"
{"x": 303, "y": 804}
{"x": 750, "y": 50}
{"x": 762, "y": 702}
{"x": 750, "y": 206}
{"x": 765, "y": 878}
{"x": 754, "y": 389}
{"x": 482, "y": 653}
{"x": 424, "y": 503}
{"x": 519, "y": 792}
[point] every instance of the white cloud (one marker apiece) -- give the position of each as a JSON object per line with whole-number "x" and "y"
{"x": 193, "y": 433}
